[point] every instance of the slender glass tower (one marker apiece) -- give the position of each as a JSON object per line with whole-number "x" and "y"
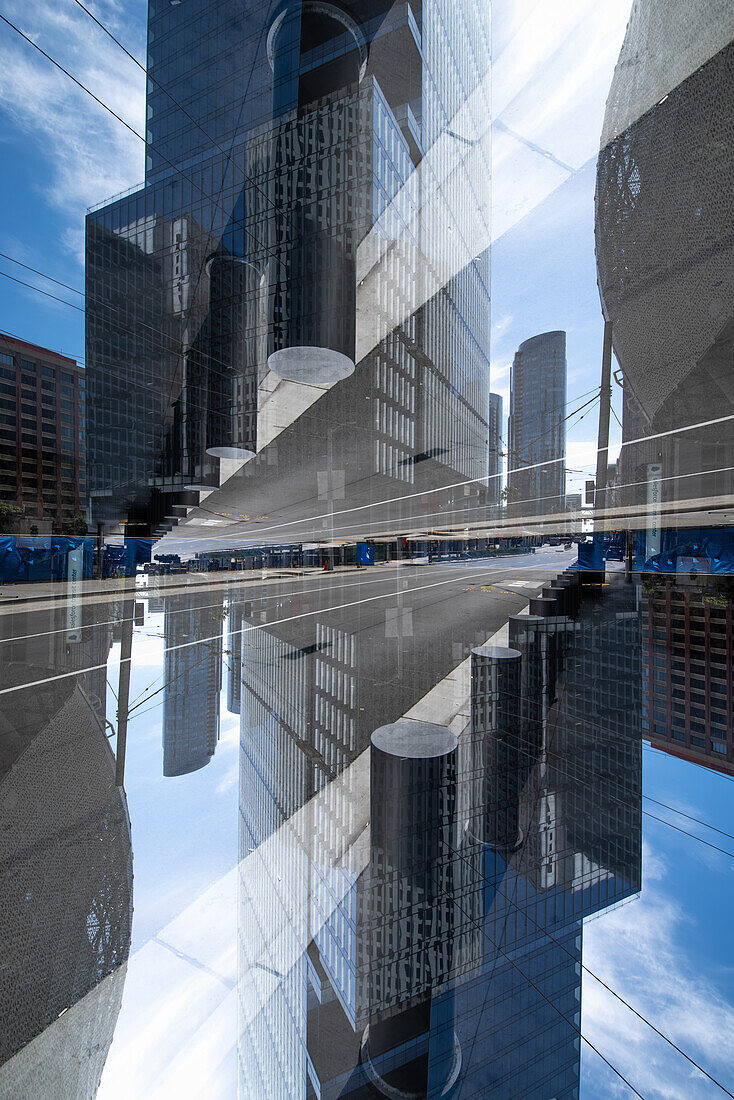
{"x": 537, "y": 429}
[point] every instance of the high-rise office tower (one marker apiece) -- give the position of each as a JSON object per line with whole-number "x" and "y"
{"x": 381, "y": 944}
{"x": 320, "y": 183}
{"x": 193, "y": 682}
{"x": 669, "y": 295}
{"x": 537, "y": 429}
{"x": 42, "y": 433}
{"x": 494, "y": 483}
{"x": 66, "y": 874}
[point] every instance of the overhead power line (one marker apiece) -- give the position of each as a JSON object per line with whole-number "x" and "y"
{"x": 139, "y": 136}
{"x": 525, "y": 910}
{"x": 179, "y": 105}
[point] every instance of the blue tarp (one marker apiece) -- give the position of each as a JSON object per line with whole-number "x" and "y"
{"x": 365, "y": 553}
{"x": 692, "y": 550}
{"x": 28, "y": 558}
{"x": 126, "y": 556}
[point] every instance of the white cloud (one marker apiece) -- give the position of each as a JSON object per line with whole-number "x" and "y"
{"x": 639, "y": 951}
{"x": 90, "y": 155}
{"x": 500, "y": 327}
{"x": 553, "y": 66}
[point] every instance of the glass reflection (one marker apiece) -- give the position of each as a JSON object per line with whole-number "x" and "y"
{"x": 374, "y": 667}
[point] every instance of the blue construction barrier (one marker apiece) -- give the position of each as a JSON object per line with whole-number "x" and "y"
{"x": 695, "y": 550}
{"x": 29, "y": 558}
{"x": 126, "y": 557}
{"x": 692, "y": 550}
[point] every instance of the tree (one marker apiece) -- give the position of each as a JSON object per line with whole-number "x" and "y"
{"x": 77, "y": 525}
{"x": 9, "y": 513}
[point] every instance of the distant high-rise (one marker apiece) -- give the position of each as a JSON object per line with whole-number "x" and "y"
{"x": 193, "y": 679}
{"x": 537, "y": 429}
{"x": 494, "y": 486}
{"x": 42, "y": 433}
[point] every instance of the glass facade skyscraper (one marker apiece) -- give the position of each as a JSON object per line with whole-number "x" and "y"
{"x": 314, "y": 179}
{"x": 537, "y": 427}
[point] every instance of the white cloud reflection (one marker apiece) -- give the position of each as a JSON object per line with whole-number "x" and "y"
{"x": 640, "y": 951}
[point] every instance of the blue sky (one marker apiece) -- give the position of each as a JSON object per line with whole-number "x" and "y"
{"x": 669, "y": 953}
{"x": 61, "y": 152}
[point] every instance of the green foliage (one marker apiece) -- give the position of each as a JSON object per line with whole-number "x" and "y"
{"x": 9, "y": 513}
{"x": 77, "y": 525}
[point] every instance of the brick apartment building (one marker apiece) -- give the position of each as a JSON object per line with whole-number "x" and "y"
{"x": 42, "y": 435}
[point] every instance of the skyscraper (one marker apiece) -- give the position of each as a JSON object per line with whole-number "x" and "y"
{"x": 42, "y": 433}
{"x": 395, "y": 929}
{"x": 193, "y": 681}
{"x": 537, "y": 429}
{"x": 494, "y": 484}
{"x": 669, "y": 295}
{"x": 327, "y": 224}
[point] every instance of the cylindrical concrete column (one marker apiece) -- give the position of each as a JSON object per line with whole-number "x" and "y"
{"x": 413, "y": 805}
{"x": 233, "y": 328}
{"x": 499, "y": 753}
{"x": 540, "y": 605}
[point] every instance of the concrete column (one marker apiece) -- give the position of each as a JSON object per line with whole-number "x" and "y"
{"x": 410, "y": 1049}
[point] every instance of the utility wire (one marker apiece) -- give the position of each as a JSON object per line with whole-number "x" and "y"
{"x": 698, "y": 820}
{"x": 106, "y": 305}
{"x": 519, "y": 469}
{"x": 576, "y": 770}
{"x": 135, "y": 133}
{"x": 537, "y": 988}
{"x": 215, "y": 203}
{"x": 179, "y": 106}
{"x": 476, "y": 480}
{"x": 176, "y": 349}
{"x": 526, "y": 913}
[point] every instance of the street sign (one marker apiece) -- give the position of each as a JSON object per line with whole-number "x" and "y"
{"x": 75, "y": 572}
{"x": 654, "y": 497}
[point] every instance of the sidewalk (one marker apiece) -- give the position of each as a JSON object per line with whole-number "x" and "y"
{"x": 143, "y": 585}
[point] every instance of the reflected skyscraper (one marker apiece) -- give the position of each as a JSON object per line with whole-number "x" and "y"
{"x": 65, "y": 868}
{"x": 415, "y": 924}
{"x": 234, "y": 657}
{"x": 192, "y": 668}
{"x": 669, "y": 294}
{"x": 537, "y": 427}
{"x": 688, "y": 676}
